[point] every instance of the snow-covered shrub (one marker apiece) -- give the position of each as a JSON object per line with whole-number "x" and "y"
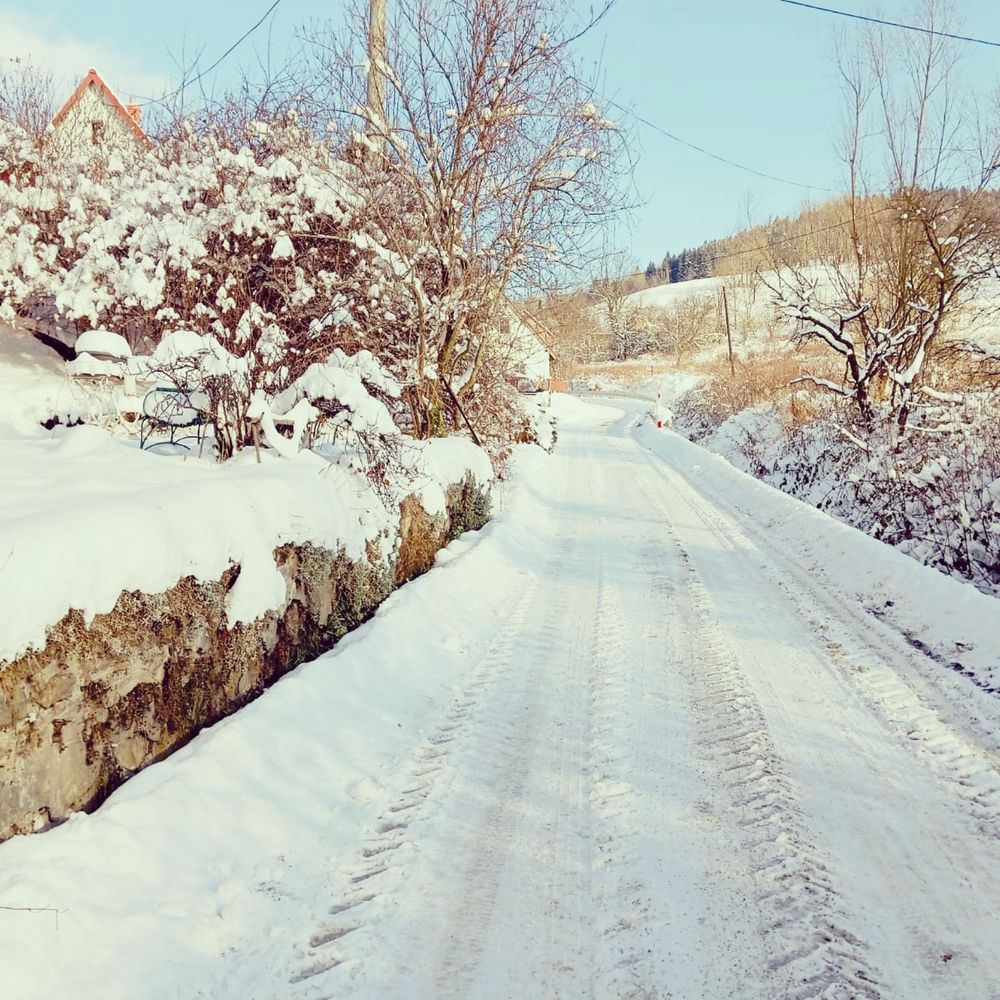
{"x": 934, "y": 493}
{"x": 539, "y": 425}
{"x": 28, "y": 249}
{"x": 50, "y": 201}
{"x": 274, "y": 247}
{"x": 345, "y": 402}
{"x": 204, "y": 238}
{"x": 258, "y": 253}
{"x": 469, "y": 507}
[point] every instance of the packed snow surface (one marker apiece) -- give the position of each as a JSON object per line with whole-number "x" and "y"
{"x": 657, "y": 731}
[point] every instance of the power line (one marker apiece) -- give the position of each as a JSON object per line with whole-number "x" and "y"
{"x": 701, "y": 149}
{"x": 225, "y": 55}
{"x": 717, "y": 156}
{"x": 891, "y": 24}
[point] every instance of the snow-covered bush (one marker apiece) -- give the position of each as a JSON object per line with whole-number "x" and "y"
{"x": 539, "y": 423}
{"x": 259, "y": 253}
{"x": 935, "y": 493}
{"x": 50, "y": 201}
{"x": 220, "y": 240}
{"x": 28, "y": 249}
{"x": 344, "y": 404}
{"x": 469, "y": 507}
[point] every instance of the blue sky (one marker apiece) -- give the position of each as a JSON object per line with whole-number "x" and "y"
{"x": 750, "y": 79}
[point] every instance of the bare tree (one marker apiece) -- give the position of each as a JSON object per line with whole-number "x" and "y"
{"x": 487, "y": 172}
{"x": 693, "y": 323}
{"x": 576, "y": 338}
{"x": 27, "y": 96}
{"x": 612, "y": 296}
{"x": 914, "y": 239}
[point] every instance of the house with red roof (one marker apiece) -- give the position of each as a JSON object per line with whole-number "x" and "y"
{"x": 95, "y": 117}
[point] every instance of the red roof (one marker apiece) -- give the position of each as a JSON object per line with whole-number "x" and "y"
{"x": 93, "y": 77}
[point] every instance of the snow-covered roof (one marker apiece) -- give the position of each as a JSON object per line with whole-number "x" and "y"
{"x": 530, "y": 327}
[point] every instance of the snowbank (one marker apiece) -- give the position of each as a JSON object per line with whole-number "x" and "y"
{"x": 440, "y": 462}
{"x": 34, "y": 385}
{"x": 957, "y": 623}
{"x": 83, "y": 518}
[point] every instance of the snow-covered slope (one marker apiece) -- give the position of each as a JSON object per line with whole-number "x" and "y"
{"x": 751, "y": 310}
{"x": 664, "y": 296}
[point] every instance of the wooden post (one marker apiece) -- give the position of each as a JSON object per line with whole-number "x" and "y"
{"x": 376, "y": 71}
{"x": 729, "y": 335}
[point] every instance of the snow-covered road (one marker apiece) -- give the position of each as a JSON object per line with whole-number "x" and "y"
{"x": 667, "y": 778}
{"x": 681, "y": 761}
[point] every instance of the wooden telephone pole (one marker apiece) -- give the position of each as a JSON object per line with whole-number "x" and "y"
{"x": 729, "y": 335}
{"x": 376, "y": 72}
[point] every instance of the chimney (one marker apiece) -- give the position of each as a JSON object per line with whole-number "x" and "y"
{"x": 135, "y": 111}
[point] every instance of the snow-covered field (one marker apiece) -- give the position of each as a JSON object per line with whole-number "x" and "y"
{"x": 665, "y": 296}
{"x": 659, "y": 730}
{"x": 752, "y": 310}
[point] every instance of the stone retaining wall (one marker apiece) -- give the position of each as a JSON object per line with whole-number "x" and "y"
{"x": 103, "y": 700}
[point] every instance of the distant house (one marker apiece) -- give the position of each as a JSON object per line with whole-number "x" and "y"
{"x": 93, "y": 116}
{"x": 531, "y": 357}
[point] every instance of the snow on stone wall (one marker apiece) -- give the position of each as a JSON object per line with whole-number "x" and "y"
{"x": 157, "y": 609}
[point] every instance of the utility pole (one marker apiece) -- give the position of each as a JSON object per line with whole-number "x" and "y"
{"x": 729, "y": 335}
{"x": 376, "y": 72}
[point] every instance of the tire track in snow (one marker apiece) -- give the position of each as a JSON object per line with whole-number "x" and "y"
{"x": 622, "y": 895}
{"x": 507, "y": 775}
{"x": 527, "y": 858}
{"x": 369, "y": 875}
{"x": 876, "y": 668}
{"x": 943, "y": 927}
{"x": 630, "y": 675}
{"x": 972, "y": 772}
{"x": 812, "y": 953}
{"x": 666, "y": 889}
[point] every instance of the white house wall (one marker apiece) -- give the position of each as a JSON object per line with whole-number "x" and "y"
{"x": 75, "y": 132}
{"x": 529, "y": 355}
